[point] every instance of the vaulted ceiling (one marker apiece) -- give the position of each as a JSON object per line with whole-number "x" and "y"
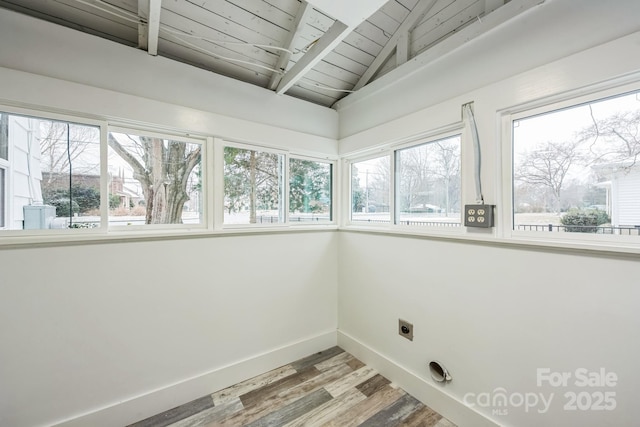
{"x": 316, "y": 50}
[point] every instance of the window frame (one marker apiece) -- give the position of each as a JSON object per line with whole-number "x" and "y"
{"x": 173, "y": 136}
{"x": 64, "y": 233}
{"x": 333, "y": 212}
{"x": 456, "y": 131}
{"x": 285, "y": 185}
{"x": 390, "y": 149}
{"x": 349, "y": 207}
{"x": 547, "y": 105}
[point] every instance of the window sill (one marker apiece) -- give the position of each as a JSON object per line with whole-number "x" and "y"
{"x": 488, "y": 237}
{"x": 33, "y": 241}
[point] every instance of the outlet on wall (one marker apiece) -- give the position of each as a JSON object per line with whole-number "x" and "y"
{"x": 405, "y": 329}
{"x": 478, "y": 215}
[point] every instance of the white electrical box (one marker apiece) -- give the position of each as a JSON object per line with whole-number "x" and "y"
{"x": 39, "y": 217}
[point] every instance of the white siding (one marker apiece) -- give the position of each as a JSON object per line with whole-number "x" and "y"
{"x": 24, "y": 168}
{"x": 626, "y": 201}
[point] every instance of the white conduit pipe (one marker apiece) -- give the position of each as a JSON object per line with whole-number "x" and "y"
{"x": 470, "y": 121}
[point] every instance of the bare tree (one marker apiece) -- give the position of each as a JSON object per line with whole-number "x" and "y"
{"x": 447, "y": 167}
{"x": 547, "y": 167}
{"x": 63, "y": 145}
{"x": 615, "y": 138}
{"x": 163, "y": 168}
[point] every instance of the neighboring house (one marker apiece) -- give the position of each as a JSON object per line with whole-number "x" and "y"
{"x": 623, "y": 192}
{"x": 20, "y": 170}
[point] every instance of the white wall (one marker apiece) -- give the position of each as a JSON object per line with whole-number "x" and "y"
{"x": 493, "y": 313}
{"x": 86, "y": 327}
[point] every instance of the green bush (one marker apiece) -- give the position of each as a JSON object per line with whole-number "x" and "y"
{"x": 86, "y": 198}
{"x": 584, "y": 221}
{"x": 62, "y": 206}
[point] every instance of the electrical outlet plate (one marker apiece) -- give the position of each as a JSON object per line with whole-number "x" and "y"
{"x": 405, "y": 329}
{"x": 478, "y": 215}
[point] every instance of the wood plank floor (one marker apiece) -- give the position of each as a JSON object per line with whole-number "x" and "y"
{"x": 330, "y": 388}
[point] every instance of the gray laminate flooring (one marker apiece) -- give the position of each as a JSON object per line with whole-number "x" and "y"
{"x": 329, "y": 388}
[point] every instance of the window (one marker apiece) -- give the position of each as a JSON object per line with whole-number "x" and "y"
{"x": 154, "y": 179}
{"x": 370, "y": 190}
{"x": 50, "y": 173}
{"x": 253, "y": 186}
{"x": 576, "y": 170}
{"x": 309, "y": 191}
{"x": 428, "y": 183}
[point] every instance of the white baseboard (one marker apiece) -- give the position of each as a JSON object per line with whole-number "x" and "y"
{"x": 154, "y": 402}
{"x": 448, "y": 406}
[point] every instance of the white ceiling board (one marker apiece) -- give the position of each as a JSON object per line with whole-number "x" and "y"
{"x": 239, "y": 51}
{"x": 287, "y": 6}
{"x": 242, "y": 24}
{"x": 347, "y": 64}
{"x": 268, "y": 12}
{"x": 446, "y": 22}
{"x": 80, "y": 17}
{"x": 354, "y": 54}
{"x": 309, "y": 92}
{"x": 395, "y": 10}
{"x": 364, "y": 44}
{"x": 351, "y": 12}
{"x": 172, "y": 50}
{"x": 373, "y": 33}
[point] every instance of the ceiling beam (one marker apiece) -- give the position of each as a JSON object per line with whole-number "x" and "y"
{"x": 155, "y": 6}
{"x": 334, "y": 35}
{"x": 414, "y": 17}
{"x": 304, "y": 10}
{"x": 143, "y": 19}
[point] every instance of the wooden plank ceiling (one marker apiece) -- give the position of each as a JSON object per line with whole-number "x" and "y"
{"x": 289, "y": 46}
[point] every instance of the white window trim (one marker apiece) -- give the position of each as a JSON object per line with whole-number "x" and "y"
{"x": 285, "y": 177}
{"x": 382, "y": 152}
{"x": 390, "y": 149}
{"x": 617, "y": 243}
{"x": 205, "y": 223}
{"x": 457, "y": 132}
{"x": 334, "y": 185}
{"x": 7, "y": 234}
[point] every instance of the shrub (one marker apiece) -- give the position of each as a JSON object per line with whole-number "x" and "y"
{"x": 86, "y": 198}
{"x": 584, "y": 221}
{"x": 62, "y": 206}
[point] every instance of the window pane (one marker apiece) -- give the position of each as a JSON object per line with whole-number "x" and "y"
{"x": 253, "y": 187}
{"x": 54, "y": 173}
{"x": 309, "y": 191}
{"x": 370, "y": 191}
{"x": 428, "y": 183}
{"x": 154, "y": 180}
{"x": 576, "y": 170}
